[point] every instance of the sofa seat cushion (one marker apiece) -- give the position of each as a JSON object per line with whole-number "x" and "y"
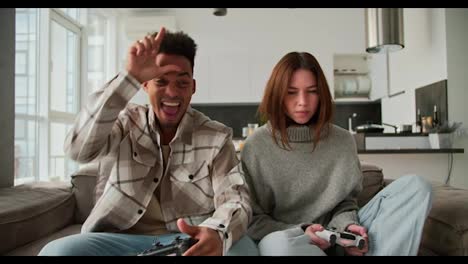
{"x": 446, "y": 228}
{"x": 372, "y": 182}
{"x": 33, "y": 248}
{"x": 31, "y": 211}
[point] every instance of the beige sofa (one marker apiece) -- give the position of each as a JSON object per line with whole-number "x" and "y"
{"x": 32, "y": 215}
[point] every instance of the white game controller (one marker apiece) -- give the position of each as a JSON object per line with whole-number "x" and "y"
{"x": 344, "y": 239}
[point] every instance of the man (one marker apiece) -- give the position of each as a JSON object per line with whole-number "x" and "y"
{"x": 174, "y": 170}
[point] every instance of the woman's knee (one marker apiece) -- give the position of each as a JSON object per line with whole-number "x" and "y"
{"x": 245, "y": 246}
{"x": 273, "y": 244}
{"x": 288, "y": 243}
{"x": 420, "y": 185}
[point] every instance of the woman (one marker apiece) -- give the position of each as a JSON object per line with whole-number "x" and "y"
{"x": 304, "y": 175}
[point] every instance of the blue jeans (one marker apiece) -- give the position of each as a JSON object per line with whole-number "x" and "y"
{"x": 394, "y": 219}
{"x": 115, "y": 244}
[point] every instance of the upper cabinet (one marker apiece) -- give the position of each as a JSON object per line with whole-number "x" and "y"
{"x": 359, "y": 77}
{"x": 351, "y": 76}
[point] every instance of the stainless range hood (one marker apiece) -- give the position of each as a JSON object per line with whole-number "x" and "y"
{"x": 384, "y": 30}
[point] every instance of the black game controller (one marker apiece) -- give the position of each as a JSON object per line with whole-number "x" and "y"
{"x": 176, "y": 248}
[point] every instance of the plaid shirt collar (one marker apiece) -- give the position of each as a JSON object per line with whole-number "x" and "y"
{"x": 182, "y": 141}
{"x": 184, "y": 130}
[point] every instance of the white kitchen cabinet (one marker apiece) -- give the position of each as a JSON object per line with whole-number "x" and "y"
{"x": 352, "y": 67}
{"x": 223, "y": 77}
{"x": 203, "y": 79}
{"x": 233, "y": 77}
{"x": 357, "y": 77}
{"x": 261, "y": 66}
{"x": 230, "y": 77}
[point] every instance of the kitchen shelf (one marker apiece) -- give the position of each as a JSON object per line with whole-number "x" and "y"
{"x": 410, "y": 151}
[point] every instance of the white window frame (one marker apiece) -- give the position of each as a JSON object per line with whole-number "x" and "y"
{"x": 45, "y": 115}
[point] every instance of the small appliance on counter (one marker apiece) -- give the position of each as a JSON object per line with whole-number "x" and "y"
{"x": 370, "y": 128}
{"x": 376, "y": 128}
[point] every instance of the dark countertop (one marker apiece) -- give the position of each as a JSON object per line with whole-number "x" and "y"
{"x": 410, "y": 151}
{"x": 394, "y": 134}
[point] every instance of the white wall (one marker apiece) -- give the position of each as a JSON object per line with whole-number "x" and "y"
{"x": 238, "y": 51}
{"x": 457, "y": 84}
{"x": 423, "y": 61}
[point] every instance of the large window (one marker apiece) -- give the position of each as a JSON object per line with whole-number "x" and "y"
{"x": 47, "y": 95}
{"x": 61, "y": 56}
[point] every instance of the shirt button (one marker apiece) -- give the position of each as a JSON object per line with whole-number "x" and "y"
{"x": 190, "y": 176}
{"x": 155, "y": 180}
{"x": 135, "y": 154}
{"x": 140, "y": 211}
{"x": 221, "y": 225}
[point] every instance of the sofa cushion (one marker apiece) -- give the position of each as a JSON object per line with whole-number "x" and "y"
{"x": 372, "y": 182}
{"x": 446, "y": 228}
{"x": 32, "y": 211}
{"x": 33, "y": 248}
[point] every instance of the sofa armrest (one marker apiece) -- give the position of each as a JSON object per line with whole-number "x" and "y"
{"x": 84, "y": 184}
{"x": 372, "y": 183}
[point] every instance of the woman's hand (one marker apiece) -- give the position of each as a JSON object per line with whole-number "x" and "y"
{"x": 358, "y": 230}
{"x": 314, "y": 239}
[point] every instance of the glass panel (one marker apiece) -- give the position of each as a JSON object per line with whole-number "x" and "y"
{"x": 64, "y": 74}
{"x": 21, "y": 87}
{"x": 25, "y": 156}
{"x": 22, "y": 23}
{"x": 26, "y": 127}
{"x": 96, "y": 26}
{"x": 95, "y": 62}
{"x": 60, "y": 166}
{"x": 21, "y": 45}
{"x": 20, "y": 62}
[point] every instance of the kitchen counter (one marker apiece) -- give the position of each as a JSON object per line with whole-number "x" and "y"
{"x": 394, "y": 143}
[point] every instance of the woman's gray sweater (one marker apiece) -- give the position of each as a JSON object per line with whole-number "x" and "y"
{"x": 290, "y": 188}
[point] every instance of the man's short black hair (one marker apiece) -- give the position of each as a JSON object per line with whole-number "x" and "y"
{"x": 178, "y": 43}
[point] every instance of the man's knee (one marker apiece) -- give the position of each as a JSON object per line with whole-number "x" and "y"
{"x": 74, "y": 245}
{"x": 59, "y": 247}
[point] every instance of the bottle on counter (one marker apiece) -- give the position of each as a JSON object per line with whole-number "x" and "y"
{"x": 435, "y": 118}
{"x": 419, "y": 127}
{"x": 245, "y": 134}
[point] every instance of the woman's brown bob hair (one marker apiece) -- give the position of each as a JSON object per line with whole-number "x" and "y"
{"x": 272, "y": 107}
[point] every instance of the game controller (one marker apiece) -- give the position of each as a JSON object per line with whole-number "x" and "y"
{"x": 344, "y": 239}
{"x": 176, "y": 248}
